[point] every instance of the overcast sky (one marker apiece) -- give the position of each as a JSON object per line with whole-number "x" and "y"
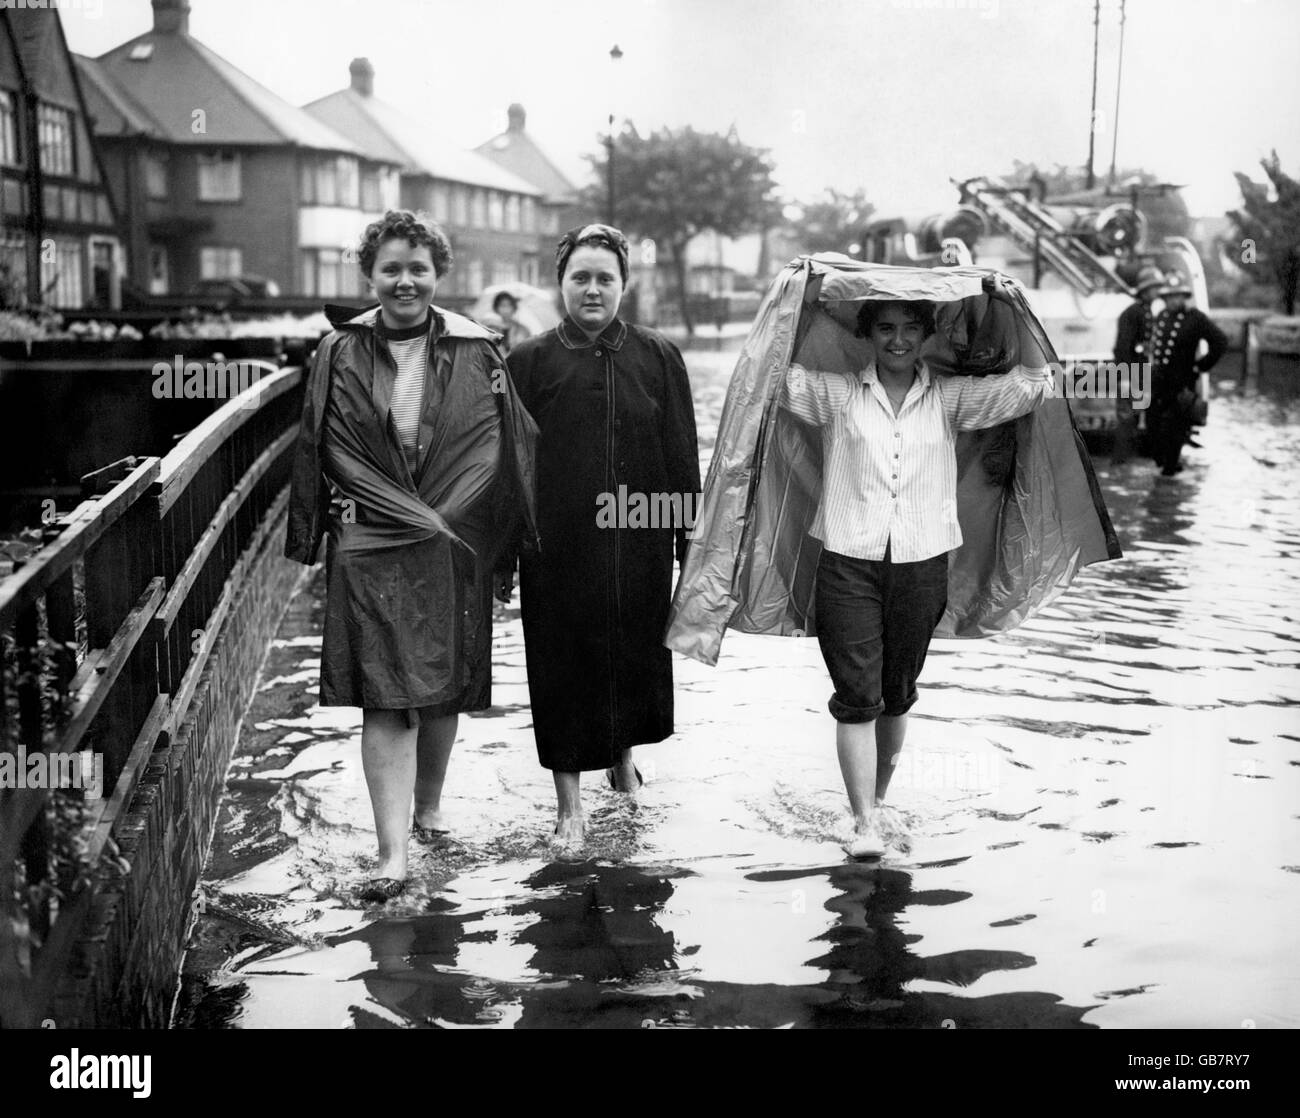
{"x": 894, "y": 96}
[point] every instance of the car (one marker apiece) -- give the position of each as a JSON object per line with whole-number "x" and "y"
{"x": 234, "y": 290}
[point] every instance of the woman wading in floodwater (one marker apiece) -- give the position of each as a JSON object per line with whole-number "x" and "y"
{"x": 922, "y": 482}
{"x": 415, "y": 460}
{"x": 613, "y": 407}
{"x": 887, "y": 520}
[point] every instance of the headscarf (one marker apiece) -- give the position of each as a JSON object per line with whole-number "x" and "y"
{"x": 594, "y": 236}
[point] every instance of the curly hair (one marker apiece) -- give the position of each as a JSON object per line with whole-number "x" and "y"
{"x": 505, "y": 297}
{"x": 415, "y": 229}
{"x": 919, "y": 309}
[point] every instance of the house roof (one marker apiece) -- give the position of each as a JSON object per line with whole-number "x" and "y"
{"x": 115, "y": 113}
{"x": 384, "y": 131}
{"x": 164, "y": 77}
{"x": 516, "y": 151}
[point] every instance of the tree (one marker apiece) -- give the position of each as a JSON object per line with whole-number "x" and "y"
{"x": 832, "y": 223}
{"x": 671, "y": 186}
{"x": 1270, "y": 228}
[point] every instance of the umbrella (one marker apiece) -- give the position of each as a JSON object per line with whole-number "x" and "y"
{"x": 536, "y": 307}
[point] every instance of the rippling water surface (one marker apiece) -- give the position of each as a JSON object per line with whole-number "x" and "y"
{"x": 1106, "y": 826}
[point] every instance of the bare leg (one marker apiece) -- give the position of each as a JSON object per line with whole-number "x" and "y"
{"x": 625, "y": 778}
{"x": 388, "y": 761}
{"x": 856, "y": 745}
{"x": 568, "y": 796}
{"x": 432, "y": 752}
{"x": 891, "y": 729}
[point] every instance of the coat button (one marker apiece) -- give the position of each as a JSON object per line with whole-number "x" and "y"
{"x": 598, "y": 353}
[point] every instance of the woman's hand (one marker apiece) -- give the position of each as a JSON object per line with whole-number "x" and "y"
{"x": 995, "y": 288}
{"x": 503, "y": 585}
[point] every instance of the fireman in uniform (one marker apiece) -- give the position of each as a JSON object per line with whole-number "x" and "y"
{"x": 1176, "y": 333}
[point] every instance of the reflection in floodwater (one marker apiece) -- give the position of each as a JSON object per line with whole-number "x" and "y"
{"x": 1103, "y": 807}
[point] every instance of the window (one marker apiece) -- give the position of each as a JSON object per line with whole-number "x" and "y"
{"x": 54, "y": 126}
{"x": 460, "y": 205}
{"x": 529, "y": 216}
{"x": 504, "y": 271}
{"x": 512, "y": 213}
{"x": 377, "y": 192}
{"x": 219, "y": 262}
{"x": 529, "y": 270}
{"x": 330, "y": 180}
{"x": 441, "y": 200}
{"x": 13, "y": 269}
{"x": 155, "y": 174}
{"x": 159, "y": 274}
{"x": 478, "y": 209}
{"x": 474, "y": 276}
{"x": 348, "y": 172}
{"x": 8, "y": 129}
{"x": 496, "y": 211}
{"x": 326, "y": 272}
{"x": 219, "y": 177}
{"x": 61, "y": 279}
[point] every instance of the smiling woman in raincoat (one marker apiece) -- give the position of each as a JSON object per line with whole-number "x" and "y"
{"x": 1002, "y": 496}
{"x": 415, "y": 460}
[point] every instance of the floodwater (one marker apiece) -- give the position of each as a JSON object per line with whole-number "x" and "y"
{"x": 1104, "y": 814}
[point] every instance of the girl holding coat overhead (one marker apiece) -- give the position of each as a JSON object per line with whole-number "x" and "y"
{"x": 616, "y": 432}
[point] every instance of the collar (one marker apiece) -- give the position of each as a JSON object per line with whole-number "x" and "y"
{"x": 571, "y": 335}
{"x": 869, "y": 376}
{"x": 444, "y": 323}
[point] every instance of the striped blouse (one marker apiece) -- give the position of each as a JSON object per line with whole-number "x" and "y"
{"x": 894, "y": 478}
{"x": 412, "y": 359}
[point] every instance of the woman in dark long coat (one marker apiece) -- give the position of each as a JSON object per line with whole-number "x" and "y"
{"x": 414, "y": 459}
{"x": 617, "y": 479}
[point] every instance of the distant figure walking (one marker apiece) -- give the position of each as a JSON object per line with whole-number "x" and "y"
{"x": 505, "y": 306}
{"x": 1176, "y": 407}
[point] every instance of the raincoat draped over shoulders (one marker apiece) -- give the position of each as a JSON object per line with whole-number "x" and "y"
{"x": 412, "y": 541}
{"x": 1028, "y": 503}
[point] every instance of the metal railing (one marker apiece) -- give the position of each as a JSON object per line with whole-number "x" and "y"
{"x": 105, "y": 631}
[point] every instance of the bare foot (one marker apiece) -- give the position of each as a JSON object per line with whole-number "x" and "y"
{"x": 625, "y": 776}
{"x": 431, "y": 821}
{"x": 391, "y": 867}
{"x": 568, "y": 831}
{"x": 866, "y": 841}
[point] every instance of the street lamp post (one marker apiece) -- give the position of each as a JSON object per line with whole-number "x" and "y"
{"x": 615, "y": 54}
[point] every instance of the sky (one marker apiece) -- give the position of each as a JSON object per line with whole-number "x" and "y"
{"x": 891, "y": 96}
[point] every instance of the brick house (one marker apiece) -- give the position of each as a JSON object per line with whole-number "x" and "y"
{"x": 59, "y": 244}
{"x": 222, "y": 178}
{"x": 559, "y": 208}
{"x": 491, "y": 215}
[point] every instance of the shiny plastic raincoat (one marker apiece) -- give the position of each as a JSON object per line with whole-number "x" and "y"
{"x": 409, "y": 565}
{"x": 1028, "y": 503}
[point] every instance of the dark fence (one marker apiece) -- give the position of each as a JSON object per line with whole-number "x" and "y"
{"x": 130, "y": 644}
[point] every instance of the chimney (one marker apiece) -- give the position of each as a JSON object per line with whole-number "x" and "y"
{"x": 363, "y": 76}
{"x": 515, "y": 114}
{"x": 171, "y": 17}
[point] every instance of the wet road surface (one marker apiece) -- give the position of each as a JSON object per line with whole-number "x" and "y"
{"x": 1104, "y": 811}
